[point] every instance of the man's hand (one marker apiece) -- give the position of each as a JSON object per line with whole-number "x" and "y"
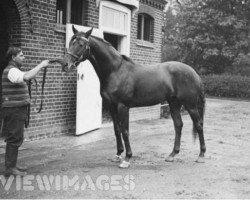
{"x": 44, "y": 63}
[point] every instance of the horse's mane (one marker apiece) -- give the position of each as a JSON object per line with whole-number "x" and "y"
{"x": 113, "y": 49}
{"x": 105, "y": 43}
{"x": 127, "y": 59}
{"x": 98, "y": 38}
{"x": 102, "y": 40}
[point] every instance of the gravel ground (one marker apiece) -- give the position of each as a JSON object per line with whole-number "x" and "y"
{"x": 80, "y": 167}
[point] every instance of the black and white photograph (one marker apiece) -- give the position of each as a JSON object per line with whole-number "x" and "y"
{"x": 125, "y": 99}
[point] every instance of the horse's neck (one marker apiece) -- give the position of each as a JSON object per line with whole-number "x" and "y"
{"x": 104, "y": 59}
{"x": 98, "y": 71}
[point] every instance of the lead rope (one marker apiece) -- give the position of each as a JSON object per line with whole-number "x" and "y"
{"x": 29, "y": 83}
{"x": 43, "y": 83}
{"x": 42, "y": 94}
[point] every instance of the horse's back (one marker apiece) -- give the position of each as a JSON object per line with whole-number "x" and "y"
{"x": 179, "y": 68}
{"x": 138, "y": 85}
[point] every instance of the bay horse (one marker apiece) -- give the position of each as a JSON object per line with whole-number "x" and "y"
{"x": 125, "y": 84}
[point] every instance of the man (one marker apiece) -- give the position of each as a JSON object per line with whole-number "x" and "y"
{"x": 15, "y": 102}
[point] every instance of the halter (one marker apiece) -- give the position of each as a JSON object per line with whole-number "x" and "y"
{"x": 80, "y": 58}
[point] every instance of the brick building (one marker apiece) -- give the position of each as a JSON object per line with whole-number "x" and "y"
{"x": 38, "y": 27}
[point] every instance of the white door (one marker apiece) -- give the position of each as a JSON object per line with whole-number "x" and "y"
{"x": 89, "y": 101}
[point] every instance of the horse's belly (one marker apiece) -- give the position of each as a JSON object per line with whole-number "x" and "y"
{"x": 142, "y": 103}
{"x": 148, "y": 96}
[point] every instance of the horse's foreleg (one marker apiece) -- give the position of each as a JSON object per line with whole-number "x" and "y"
{"x": 117, "y": 130}
{"x": 123, "y": 112}
{"x": 175, "y": 108}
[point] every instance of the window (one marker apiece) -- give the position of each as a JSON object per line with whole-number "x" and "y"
{"x": 115, "y": 19}
{"x": 76, "y": 13}
{"x": 61, "y": 12}
{"x": 145, "y": 27}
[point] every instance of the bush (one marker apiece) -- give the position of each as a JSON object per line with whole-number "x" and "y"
{"x": 227, "y": 85}
{"x": 241, "y": 66}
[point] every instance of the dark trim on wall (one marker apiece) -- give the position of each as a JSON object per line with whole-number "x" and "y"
{"x": 159, "y": 4}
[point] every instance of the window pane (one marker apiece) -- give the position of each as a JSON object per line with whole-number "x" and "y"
{"x": 114, "y": 19}
{"x": 147, "y": 27}
{"x": 139, "y": 27}
{"x": 61, "y": 11}
{"x": 76, "y": 12}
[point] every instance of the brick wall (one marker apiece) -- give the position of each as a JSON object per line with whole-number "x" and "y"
{"x": 146, "y": 52}
{"x": 34, "y": 30}
{"x": 58, "y": 115}
{"x": 37, "y": 37}
{"x": 92, "y": 15}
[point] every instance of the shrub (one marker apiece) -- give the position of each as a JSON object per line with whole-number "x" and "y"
{"x": 227, "y": 85}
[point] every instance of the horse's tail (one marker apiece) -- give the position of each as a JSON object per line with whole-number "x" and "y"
{"x": 201, "y": 104}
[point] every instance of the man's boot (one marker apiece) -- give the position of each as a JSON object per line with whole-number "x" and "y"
{"x": 11, "y": 160}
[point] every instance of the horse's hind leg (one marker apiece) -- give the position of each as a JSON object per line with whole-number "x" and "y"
{"x": 198, "y": 128}
{"x": 117, "y": 129}
{"x": 175, "y": 110}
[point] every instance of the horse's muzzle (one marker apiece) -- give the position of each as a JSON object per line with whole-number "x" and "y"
{"x": 64, "y": 66}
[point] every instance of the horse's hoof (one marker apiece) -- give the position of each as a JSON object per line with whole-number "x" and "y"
{"x": 124, "y": 164}
{"x": 200, "y": 160}
{"x": 169, "y": 159}
{"x": 116, "y": 158}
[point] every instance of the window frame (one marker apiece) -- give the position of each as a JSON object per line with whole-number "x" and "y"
{"x": 145, "y": 27}
{"x": 124, "y": 35}
{"x": 61, "y": 13}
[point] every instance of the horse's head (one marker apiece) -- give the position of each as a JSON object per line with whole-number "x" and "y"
{"x": 78, "y": 51}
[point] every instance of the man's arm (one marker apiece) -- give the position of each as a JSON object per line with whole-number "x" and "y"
{"x": 33, "y": 72}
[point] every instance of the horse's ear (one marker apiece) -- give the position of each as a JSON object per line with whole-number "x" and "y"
{"x": 74, "y": 29}
{"x": 88, "y": 33}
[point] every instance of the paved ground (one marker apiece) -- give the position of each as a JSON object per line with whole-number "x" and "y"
{"x": 79, "y": 167}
